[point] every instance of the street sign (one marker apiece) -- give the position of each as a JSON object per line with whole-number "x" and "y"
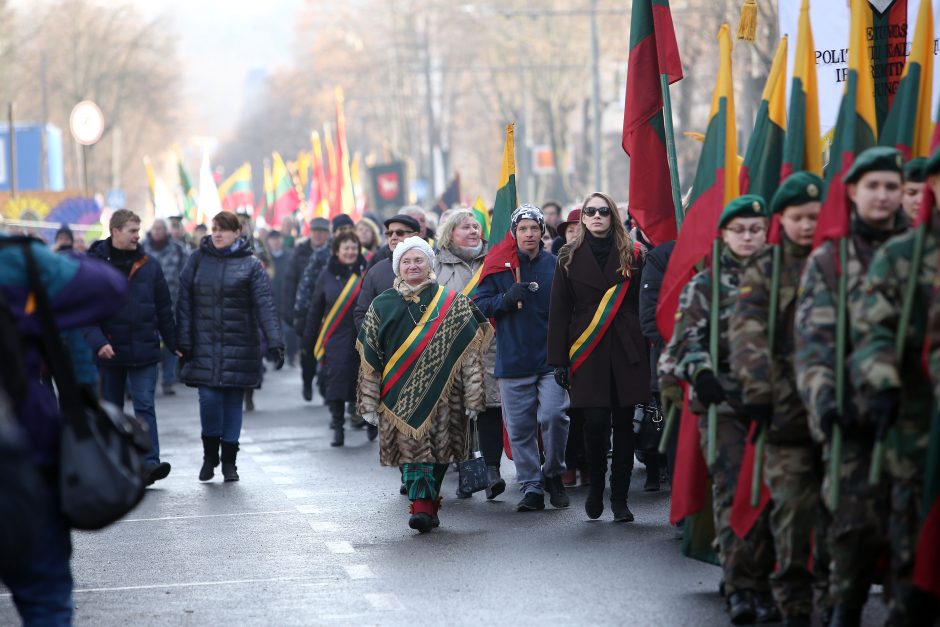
{"x": 86, "y": 122}
{"x": 116, "y": 199}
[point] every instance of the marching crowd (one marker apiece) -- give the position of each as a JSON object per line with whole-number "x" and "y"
{"x": 543, "y": 347}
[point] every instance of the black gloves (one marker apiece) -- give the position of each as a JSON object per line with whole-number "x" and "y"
{"x": 761, "y": 414}
{"x": 516, "y": 293}
{"x": 276, "y": 355}
{"x": 845, "y": 419}
{"x": 884, "y": 408}
{"x": 563, "y": 377}
{"x": 708, "y": 389}
{"x": 185, "y": 354}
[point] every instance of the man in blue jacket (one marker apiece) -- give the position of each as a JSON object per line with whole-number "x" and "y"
{"x": 127, "y": 345}
{"x": 532, "y": 401}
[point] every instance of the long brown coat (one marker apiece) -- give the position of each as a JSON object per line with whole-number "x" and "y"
{"x": 622, "y": 357}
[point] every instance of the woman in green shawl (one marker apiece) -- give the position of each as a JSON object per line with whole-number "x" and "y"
{"x": 422, "y": 347}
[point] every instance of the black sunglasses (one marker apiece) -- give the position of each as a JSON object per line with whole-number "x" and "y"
{"x": 591, "y": 211}
{"x": 398, "y": 232}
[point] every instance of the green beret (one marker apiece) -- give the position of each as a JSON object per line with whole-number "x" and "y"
{"x": 933, "y": 164}
{"x": 877, "y": 159}
{"x": 798, "y": 189}
{"x": 914, "y": 170}
{"x": 746, "y": 206}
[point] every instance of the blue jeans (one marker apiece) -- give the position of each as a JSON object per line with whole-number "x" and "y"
{"x": 42, "y": 589}
{"x": 220, "y": 411}
{"x": 169, "y": 368}
{"x": 143, "y": 382}
{"x": 533, "y": 405}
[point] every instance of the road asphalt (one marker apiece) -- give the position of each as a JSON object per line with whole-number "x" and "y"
{"x": 314, "y": 535}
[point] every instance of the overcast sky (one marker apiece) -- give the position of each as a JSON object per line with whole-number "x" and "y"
{"x": 221, "y": 42}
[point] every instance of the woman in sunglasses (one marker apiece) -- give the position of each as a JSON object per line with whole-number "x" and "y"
{"x": 421, "y": 346}
{"x": 596, "y": 345}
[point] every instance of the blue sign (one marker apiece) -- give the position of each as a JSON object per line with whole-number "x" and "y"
{"x": 116, "y": 199}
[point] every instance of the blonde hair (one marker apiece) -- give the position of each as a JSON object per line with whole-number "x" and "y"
{"x": 454, "y": 218}
{"x": 622, "y": 240}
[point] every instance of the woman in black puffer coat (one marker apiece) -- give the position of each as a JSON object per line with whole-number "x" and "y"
{"x": 225, "y": 296}
{"x": 330, "y": 333}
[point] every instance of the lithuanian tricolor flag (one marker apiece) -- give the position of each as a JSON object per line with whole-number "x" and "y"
{"x": 235, "y": 191}
{"x": 506, "y": 201}
{"x": 716, "y": 183}
{"x": 654, "y": 53}
{"x": 908, "y": 126}
{"x": 189, "y": 194}
{"x": 802, "y": 149}
{"x": 760, "y": 173}
{"x": 856, "y": 127}
{"x": 319, "y": 193}
{"x": 286, "y": 199}
{"x": 482, "y": 215}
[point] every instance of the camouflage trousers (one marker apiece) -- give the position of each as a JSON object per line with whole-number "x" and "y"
{"x": 746, "y": 563}
{"x": 857, "y": 532}
{"x": 798, "y": 522}
{"x": 906, "y": 459}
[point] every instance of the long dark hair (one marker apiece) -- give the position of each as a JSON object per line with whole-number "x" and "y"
{"x": 622, "y": 239}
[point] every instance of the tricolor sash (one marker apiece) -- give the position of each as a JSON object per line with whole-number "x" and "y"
{"x": 604, "y": 315}
{"x": 337, "y": 312}
{"x": 471, "y": 287}
{"x": 418, "y": 358}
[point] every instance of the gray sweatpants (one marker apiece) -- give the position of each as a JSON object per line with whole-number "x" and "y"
{"x": 530, "y": 404}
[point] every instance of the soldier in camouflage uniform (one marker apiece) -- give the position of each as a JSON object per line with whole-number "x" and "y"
{"x": 857, "y": 531}
{"x": 746, "y": 563}
{"x": 899, "y": 395}
{"x": 792, "y": 466}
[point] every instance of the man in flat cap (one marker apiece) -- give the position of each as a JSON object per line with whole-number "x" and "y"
{"x": 857, "y": 533}
{"x": 899, "y": 394}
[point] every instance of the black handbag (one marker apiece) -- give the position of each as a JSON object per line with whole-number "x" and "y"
{"x": 472, "y": 472}
{"x": 101, "y": 458}
{"x": 648, "y": 427}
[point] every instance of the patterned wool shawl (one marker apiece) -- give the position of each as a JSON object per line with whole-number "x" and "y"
{"x": 417, "y": 348}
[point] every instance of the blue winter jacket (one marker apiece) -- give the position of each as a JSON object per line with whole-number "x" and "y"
{"x": 521, "y": 334}
{"x": 81, "y": 292}
{"x": 134, "y": 332}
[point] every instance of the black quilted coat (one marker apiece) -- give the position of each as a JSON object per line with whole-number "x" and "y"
{"x": 225, "y": 297}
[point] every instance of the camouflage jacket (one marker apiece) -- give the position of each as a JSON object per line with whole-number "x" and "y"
{"x": 691, "y": 337}
{"x": 933, "y": 338}
{"x": 763, "y": 381}
{"x": 816, "y": 311}
{"x": 874, "y": 364}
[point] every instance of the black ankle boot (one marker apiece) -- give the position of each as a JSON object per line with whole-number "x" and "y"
{"x": 338, "y": 419}
{"x": 229, "y": 453}
{"x": 210, "y": 456}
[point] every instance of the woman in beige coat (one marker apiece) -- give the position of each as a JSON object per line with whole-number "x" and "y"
{"x": 460, "y": 259}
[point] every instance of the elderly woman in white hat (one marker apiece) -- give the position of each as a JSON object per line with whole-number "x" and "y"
{"x": 422, "y": 348}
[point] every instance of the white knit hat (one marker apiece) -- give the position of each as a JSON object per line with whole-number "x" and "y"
{"x": 412, "y": 242}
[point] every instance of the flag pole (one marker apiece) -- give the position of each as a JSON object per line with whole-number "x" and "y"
{"x": 671, "y": 150}
{"x": 756, "y": 478}
{"x": 713, "y": 336}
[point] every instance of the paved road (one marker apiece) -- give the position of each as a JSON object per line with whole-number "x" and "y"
{"x": 314, "y": 535}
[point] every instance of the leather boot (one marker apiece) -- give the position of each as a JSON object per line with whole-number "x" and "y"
{"x": 741, "y": 607}
{"x": 497, "y": 483}
{"x": 422, "y": 515}
{"x": 229, "y": 453}
{"x": 843, "y": 616}
{"x": 338, "y": 415}
{"x": 210, "y": 456}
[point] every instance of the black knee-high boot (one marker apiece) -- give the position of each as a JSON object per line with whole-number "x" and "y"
{"x": 596, "y": 445}
{"x": 229, "y": 453}
{"x": 210, "y": 456}
{"x": 338, "y": 418}
{"x": 621, "y": 466}
{"x": 490, "y": 426}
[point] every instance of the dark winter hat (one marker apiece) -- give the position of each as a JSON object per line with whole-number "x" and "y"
{"x": 746, "y": 206}
{"x": 526, "y": 212}
{"x": 876, "y": 159}
{"x": 798, "y": 189}
{"x": 914, "y": 170}
{"x": 342, "y": 220}
{"x": 274, "y": 233}
{"x": 319, "y": 224}
{"x": 64, "y": 230}
{"x": 408, "y": 221}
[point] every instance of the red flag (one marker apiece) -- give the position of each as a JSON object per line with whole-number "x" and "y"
{"x": 690, "y": 475}
{"x": 653, "y": 52}
{"x": 501, "y": 257}
{"x": 743, "y": 516}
